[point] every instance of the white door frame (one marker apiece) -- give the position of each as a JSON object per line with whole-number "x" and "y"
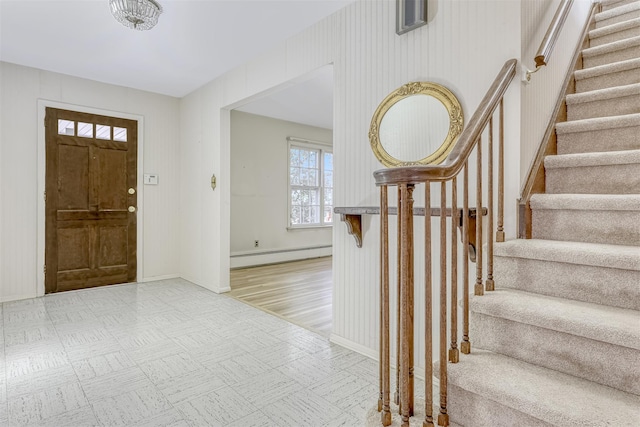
{"x": 40, "y": 227}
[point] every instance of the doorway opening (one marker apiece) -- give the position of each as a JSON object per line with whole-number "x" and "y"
{"x": 281, "y": 179}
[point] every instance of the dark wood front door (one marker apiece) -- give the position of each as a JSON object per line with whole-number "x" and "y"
{"x": 91, "y": 194}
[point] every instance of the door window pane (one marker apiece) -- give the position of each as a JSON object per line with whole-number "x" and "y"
{"x": 66, "y": 127}
{"x": 85, "y": 129}
{"x": 119, "y": 134}
{"x": 103, "y": 132}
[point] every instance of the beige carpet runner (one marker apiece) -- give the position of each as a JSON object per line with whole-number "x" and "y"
{"x": 560, "y": 336}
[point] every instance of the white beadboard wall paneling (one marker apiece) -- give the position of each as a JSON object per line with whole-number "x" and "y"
{"x": 453, "y": 49}
{"x": 190, "y": 202}
{"x": 19, "y": 182}
{"x": 463, "y": 47}
{"x": 541, "y": 94}
{"x": 2, "y": 138}
{"x": 23, "y": 87}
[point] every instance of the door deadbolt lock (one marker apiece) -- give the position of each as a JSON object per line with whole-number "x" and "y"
{"x": 132, "y": 209}
{"x": 213, "y": 182}
{"x": 132, "y": 191}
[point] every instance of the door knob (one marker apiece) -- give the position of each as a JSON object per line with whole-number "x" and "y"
{"x": 132, "y": 209}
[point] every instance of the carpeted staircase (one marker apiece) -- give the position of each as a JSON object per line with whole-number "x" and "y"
{"x": 558, "y": 342}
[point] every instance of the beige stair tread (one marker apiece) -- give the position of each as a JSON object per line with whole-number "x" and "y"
{"x": 603, "y": 94}
{"x": 615, "y": 67}
{"x": 587, "y": 202}
{"x": 608, "y": 324}
{"x": 607, "y": 158}
{"x": 593, "y": 254}
{"x": 621, "y": 10}
{"x": 614, "y": 28}
{"x": 611, "y": 47}
{"x": 545, "y": 394}
{"x": 599, "y": 123}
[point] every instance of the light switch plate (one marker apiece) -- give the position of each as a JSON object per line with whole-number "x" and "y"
{"x": 150, "y": 179}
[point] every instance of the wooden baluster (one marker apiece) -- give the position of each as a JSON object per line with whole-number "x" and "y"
{"x": 490, "y": 284}
{"x": 453, "y": 351}
{"x": 396, "y": 396}
{"x": 383, "y": 404}
{"x": 465, "y": 345}
{"x": 500, "y": 232}
{"x": 479, "y": 289}
{"x": 405, "y": 211}
{"x": 408, "y": 227}
{"x": 443, "y": 417}
{"x": 428, "y": 312}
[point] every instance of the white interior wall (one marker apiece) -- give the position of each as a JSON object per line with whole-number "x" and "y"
{"x": 259, "y": 179}
{"x": 463, "y": 47}
{"x": 539, "y": 97}
{"x": 22, "y": 89}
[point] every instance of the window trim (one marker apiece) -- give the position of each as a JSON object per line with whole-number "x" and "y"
{"x": 324, "y": 147}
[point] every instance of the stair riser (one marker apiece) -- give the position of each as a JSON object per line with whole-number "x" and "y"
{"x": 616, "y": 139}
{"x": 611, "y": 57}
{"x": 608, "y": 6}
{"x": 618, "y": 18}
{"x": 471, "y": 409}
{"x": 607, "y": 364}
{"x": 610, "y": 179}
{"x": 621, "y": 78}
{"x": 614, "y": 37}
{"x": 604, "y": 108}
{"x": 605, "y": 286}
{"x": 590, "y": 226}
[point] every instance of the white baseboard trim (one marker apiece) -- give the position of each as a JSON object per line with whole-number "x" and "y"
{"x": 18, "y": 297}
{"x": 358, "y": 348}
{"x": 158, "y": 278}
{"x": 373, "y": 354}
{"x": 214, "y": 290}
{"x": 249, "y": 259}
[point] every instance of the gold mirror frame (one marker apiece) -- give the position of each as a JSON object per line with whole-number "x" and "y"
{"x": 442, "y": 94}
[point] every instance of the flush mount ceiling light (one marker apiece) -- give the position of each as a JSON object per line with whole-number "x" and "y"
{"x": 136, "y": 14}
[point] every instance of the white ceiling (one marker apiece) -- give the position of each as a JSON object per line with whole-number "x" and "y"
{"x": 308, "y": 101}
{"x": 194, "y": 42}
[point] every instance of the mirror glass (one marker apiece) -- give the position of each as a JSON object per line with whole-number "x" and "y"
{"x": 414, "y": 127}
{"x": 417, "y": 124}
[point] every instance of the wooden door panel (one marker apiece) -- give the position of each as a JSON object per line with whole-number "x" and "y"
{"x": 113, "y": 246}
{"x": 80, "y": 279}
{"x": 112, "y": 180}
{"x": 90, "y": 231}
{"x": 73, "y": 248}
{"x": 73, "y": 184}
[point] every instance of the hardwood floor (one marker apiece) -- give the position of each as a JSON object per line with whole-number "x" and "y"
{"x": 298, "y": 291}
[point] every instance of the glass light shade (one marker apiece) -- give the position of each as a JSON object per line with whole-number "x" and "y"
{"x": 136, "y": 14}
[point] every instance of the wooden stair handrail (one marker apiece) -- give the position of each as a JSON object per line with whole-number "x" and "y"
{"x": 467, "y": 140}
{"x": 553, "y": 32}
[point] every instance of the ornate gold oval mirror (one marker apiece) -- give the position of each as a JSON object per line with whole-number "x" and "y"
{"x": 416, "y": 124}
